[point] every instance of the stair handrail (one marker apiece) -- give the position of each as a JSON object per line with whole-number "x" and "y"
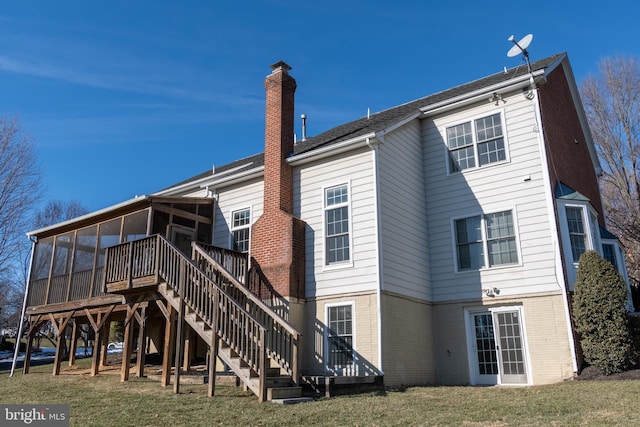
{"x": 235, "y": 262}
{"x": 283, "y": 339}
{"x": 257, "y": 301}
{"x": 223, "y": 329}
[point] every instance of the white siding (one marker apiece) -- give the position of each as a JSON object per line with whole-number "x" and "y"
{"x": 402, "y": 211}
{"x": 485, "y": 190}
{"x": 310, "y": 180}
{"x": 245, "y": 195}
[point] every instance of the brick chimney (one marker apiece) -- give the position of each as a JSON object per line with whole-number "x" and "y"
{"x": 277, "y": 237}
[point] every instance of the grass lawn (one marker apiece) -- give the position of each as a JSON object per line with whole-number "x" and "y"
{"x": 104, "y": 401}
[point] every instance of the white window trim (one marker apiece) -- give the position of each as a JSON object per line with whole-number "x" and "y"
{"x": 592, "y": 242}
{"x": 470, "y": 332}
{"x": 344, "y": 371}
{"x": 472, "y": 119}
{"x": 483, "y": 230}
{"x": 325, "y": 208}
{"x": 621, "y": 267}
{"x": 232, "y": 228}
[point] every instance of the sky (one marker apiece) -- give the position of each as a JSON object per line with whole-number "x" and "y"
{"x": 124, "y": 98}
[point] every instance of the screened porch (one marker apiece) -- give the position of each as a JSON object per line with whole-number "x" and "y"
{"x": 69, "y": 258}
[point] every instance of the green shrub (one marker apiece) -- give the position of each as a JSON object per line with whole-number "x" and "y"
{"x": 634, "y": 328}
{"x": 599, "y": 311}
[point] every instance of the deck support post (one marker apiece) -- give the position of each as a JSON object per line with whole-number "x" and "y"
{"x": 179, "y": 346}
{"x": 34, "y": 327}
{"x": 128, "y": 344}
{"x": 189, "y": 348}
{"x": 213, "y": 347}
{"x": 140, "y": 358}
{"x": 74, "y": 343}
{"x": 61, "y": 341}
{"x": 27, "y": 355}
{"x": 169, "y": 341}
{"x": 104, "y": 343}
{"x": 97, "y": 344}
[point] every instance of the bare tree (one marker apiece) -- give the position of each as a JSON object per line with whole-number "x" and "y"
{"x": 612, "y": 104}
{"x": 19, "y": 193}
{"x": 56, "y": 211}
{"x": 13, "y": 281}
{"x": 19, "y": 187}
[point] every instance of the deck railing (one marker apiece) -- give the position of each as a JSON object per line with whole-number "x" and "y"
{"x": 78, "y": 285}
{"x": 215, "y": 295}
{"x": 282, "y": 338}
{"x": 242, "y": 332}
{"x": 234, "y": 262}
{"x": 129, "y": 261}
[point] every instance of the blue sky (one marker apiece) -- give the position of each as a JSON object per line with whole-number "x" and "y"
{"x": 128, "y": 97}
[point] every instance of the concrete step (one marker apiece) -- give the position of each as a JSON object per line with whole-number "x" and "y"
{"x": 292, "y": 400}
{"x": 284, "y": 392}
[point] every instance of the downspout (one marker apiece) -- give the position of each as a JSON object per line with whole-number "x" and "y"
{"x": 373, "y": 145}
{"x": 554, "y": 226}
{"x": 16, "y": 350}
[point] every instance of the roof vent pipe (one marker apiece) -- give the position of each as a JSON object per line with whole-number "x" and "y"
{"x": 304, "y": 127}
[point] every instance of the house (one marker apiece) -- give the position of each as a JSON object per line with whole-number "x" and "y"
{"x": 435, "y": 242}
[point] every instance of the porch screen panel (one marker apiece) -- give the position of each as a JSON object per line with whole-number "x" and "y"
{"x": 40, "y": 272}
{"x": 135, "y": 226}
{"x": 83, "y": 260}
{"x": 108, "y": 235}
{"x": 63, "y": 254}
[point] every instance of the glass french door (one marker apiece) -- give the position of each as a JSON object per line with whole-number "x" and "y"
{"x": 498, "y": 354}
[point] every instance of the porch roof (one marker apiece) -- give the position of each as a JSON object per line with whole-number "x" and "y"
{"x": 131, "y": 205}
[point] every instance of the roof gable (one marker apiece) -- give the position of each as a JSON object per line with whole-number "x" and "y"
{"x": 379, "y": 121}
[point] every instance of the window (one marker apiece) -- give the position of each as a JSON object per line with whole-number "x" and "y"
{"x": 577, "y": 234}
{"x": 240, "y": 228}
{"x": 340, "y": 336}
{"x": 486, "y": 240}
{"x": 609, "y": 253}
{"x": 337, "y": 224}
{"x": 481, "y": 139}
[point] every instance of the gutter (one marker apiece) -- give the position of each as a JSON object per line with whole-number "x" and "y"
{"x": 468, "y": 98}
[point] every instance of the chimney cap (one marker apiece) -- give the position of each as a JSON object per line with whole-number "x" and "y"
{"x": 280, "y": 65}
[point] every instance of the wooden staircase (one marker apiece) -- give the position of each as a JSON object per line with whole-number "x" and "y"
{"x": 258, "y": 345}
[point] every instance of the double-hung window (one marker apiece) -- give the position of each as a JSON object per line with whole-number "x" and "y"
{"x": 486, "y": 240}
{"x": 476, "y": 143}
{"x": 337, "y": 241}
{"x": 340, "y": 337}
{"x": 577, "y": 232}
{"x": 240, "y": 229}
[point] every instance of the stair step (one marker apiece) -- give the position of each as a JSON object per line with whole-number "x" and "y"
{"x": 283, "y": 392}
{"x": 272, "y": 372}
{"x": 280, "y": 381}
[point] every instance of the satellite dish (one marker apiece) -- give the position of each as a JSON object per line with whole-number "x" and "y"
{"x": 519, "y": 47}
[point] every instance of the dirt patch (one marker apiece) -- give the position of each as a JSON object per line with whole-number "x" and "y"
{"x": 592, "y": 373}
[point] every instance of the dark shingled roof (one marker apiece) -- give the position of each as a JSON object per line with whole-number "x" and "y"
{"x": 383, "y": 119}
